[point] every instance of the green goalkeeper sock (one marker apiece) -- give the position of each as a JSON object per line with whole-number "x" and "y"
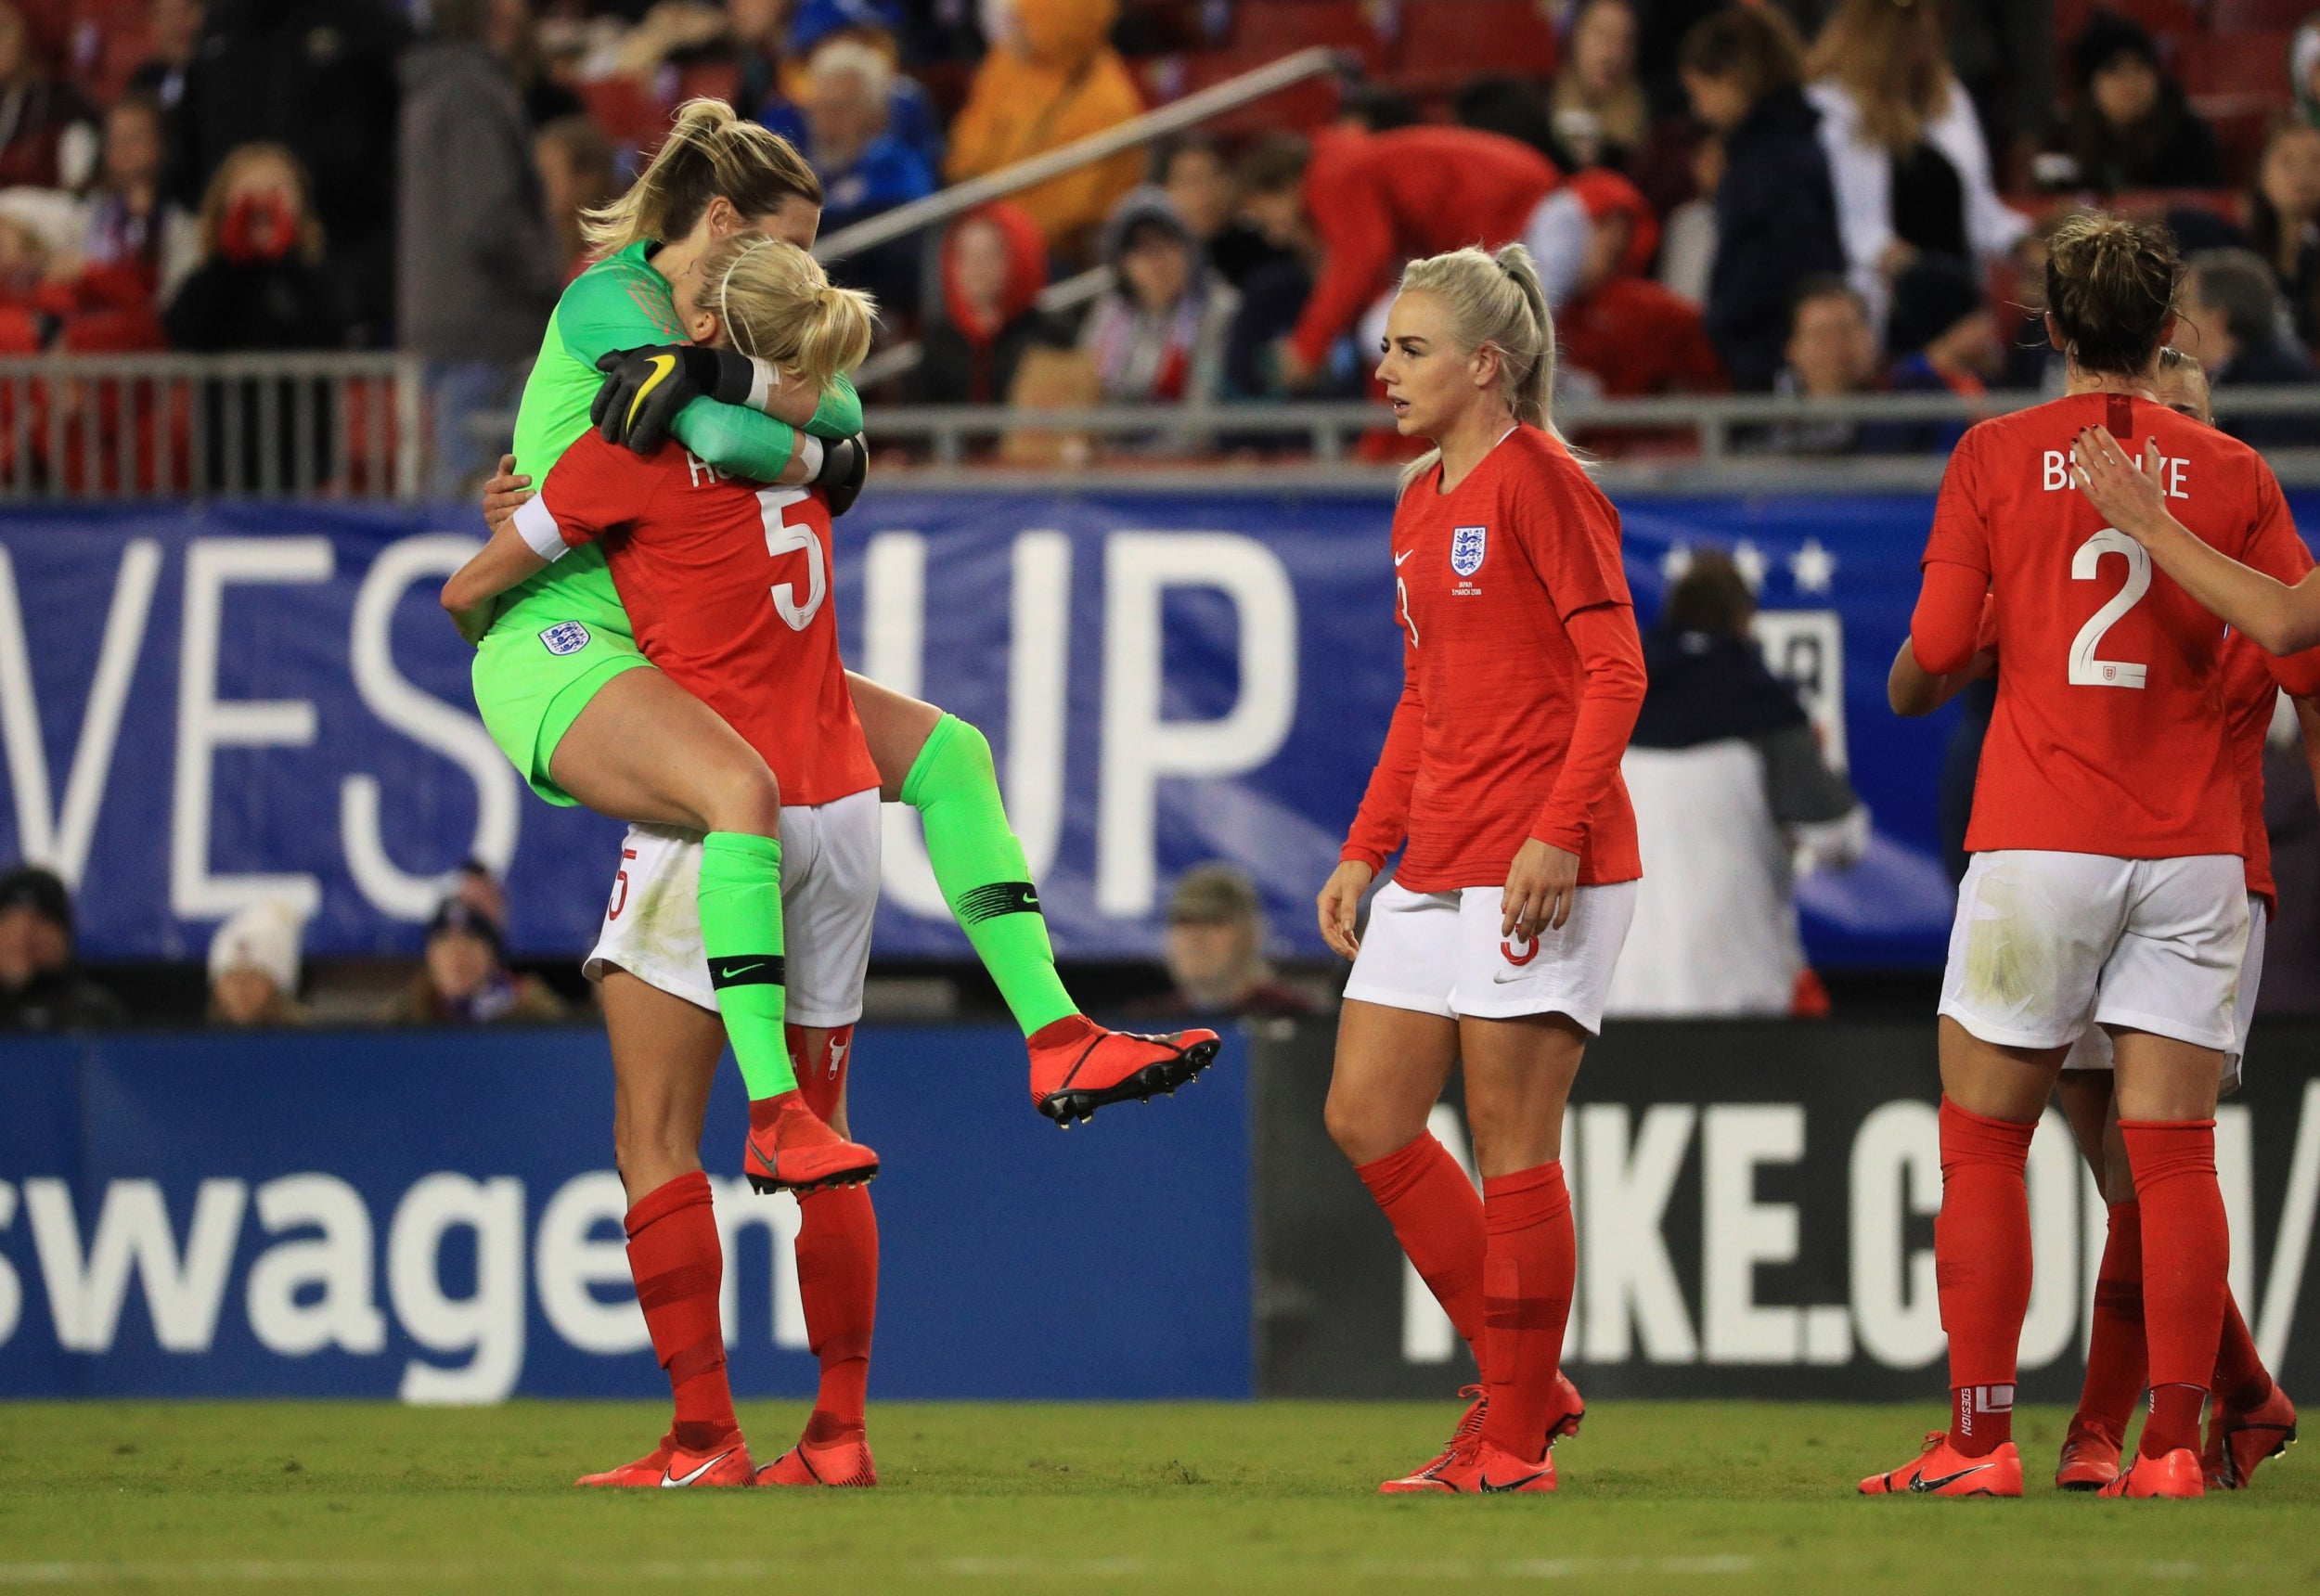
{"x": 979, "y": 864}
{"x": 740, "y": 931}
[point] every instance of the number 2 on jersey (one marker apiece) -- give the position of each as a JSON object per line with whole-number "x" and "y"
{"x": 2086, "y": 669}
{"x": 783, "y": 538}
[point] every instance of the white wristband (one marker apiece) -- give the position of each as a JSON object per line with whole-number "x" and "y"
{"x": 763, "y": 383}
{"x": 536, "y": 525}
{"x": 808, "y": 450}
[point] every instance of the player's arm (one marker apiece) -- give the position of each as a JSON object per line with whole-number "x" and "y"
{"x": 2308, "y": 722}
{"x": 1540, "y": 884}
{"x": 2283, "y": 620}
{"x": 1913, "y": 691}
{"x": 593, "y": 488}
{"x": 507, "y": 561}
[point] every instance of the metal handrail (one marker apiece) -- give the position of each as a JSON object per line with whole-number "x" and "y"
{"x": 1193, "y": 109}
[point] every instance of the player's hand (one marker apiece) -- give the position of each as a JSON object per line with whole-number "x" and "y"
{"x": 1540, "y": 887}
{"x": 2128, "y": 497}
{"x": 505, "y": 494}
{"x": 1340, "y": 904}
{"x": 845, "y": 467}
{"x": 644, "y": 388}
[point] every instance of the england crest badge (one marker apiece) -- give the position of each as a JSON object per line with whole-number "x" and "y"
{"x": 1467, "y": 545}
{"x": 564, "y": 638}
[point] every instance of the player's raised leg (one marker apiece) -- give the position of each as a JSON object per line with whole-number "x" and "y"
{"x": 941, "y": 766}
{"x": 665, "y": 1058}
{"x": 646, "y": 748}
{"x": 837, "y": 1282}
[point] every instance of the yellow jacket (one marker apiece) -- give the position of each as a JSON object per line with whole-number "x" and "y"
{"x": 1055, "y": 80}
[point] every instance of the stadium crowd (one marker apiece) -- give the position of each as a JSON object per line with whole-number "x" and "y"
{"x": 1822, "y": 197}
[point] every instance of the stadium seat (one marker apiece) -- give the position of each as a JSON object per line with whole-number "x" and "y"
{"x": 1446, "y": 42}
{"x": 2249, "y": 64}
{"x": 627, "y": 112}
{"x": 2257, "y": 16}
{"x": 1282, "y": 27}
{"x": 1300, "y": 108}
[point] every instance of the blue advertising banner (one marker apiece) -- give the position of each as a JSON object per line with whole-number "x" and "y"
{"x": 435, "y": 1217}
{"x": 204, "y": 707}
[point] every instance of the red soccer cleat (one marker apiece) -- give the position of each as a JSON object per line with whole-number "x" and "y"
{"x": 2174, "y": 1475}
{"x": 2238, "y": 1439}
{"x": 791, "y": 1149}
{"x": 671, "y": 1466}
{"x": 2089, "y": 1457}
{"x": 1941, "y": 1470}
{"x": 1077, "y": 1067}
{"x": 1474, "y": 1465}
{"x": 1570, "y": 1409}
{"x": 844, "y": 1462}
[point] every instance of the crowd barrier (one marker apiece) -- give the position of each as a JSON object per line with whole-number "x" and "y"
{"x": 432, "y": 1217}
{"x": 202, "y": 707}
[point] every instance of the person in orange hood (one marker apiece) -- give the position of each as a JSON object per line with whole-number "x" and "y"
{"x": 1051, "y": 78}
{"x": 994, "y": 264}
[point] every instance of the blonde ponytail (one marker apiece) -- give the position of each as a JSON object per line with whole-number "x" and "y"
{"x": 775, "y": 303}
{"x": 710, "y": 152}
{"x": 1494, "y": 300}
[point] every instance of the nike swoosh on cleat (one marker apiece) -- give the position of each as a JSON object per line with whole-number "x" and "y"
{"x": 1923, "y": 1484}
{"x": 1485, "y": 1484}
{"x": 671, "y": 1482}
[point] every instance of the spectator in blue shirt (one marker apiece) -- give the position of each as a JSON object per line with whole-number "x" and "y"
{"x": 911, "y": 116}
{"x": 865, "y": 170}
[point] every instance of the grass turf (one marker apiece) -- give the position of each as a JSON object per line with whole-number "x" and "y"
{"x": 1688, "y": 1497}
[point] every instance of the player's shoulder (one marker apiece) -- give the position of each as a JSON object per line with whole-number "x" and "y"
{"x": 1533, "y": 461}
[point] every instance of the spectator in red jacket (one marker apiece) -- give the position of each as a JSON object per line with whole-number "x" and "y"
{"x": 1621, "y": 334}
{"x": 994, "y": 264}
{"x": 1365, "y": 202}
{"x": 47, "y": 131}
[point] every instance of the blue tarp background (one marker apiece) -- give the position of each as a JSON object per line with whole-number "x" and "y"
{"x": 294, "y": 623}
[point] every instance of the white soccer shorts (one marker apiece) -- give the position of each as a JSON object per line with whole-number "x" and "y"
{"x": 829, "y": 863}
{"x": 2092, "y": 1050}
{"x": 1440, "y": 953}
{"x": 2046, "y": 943}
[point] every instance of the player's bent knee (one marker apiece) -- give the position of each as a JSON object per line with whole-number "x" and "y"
{"x": 746, "y": 799}
{"x": 1366, "y": 1132}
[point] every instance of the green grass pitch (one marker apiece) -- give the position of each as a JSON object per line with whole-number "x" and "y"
{"x": 1278, "y": 1495}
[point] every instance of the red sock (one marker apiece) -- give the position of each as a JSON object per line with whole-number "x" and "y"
{"x": 2186, "y": 1254}
{"x": 2115, "y": 1355}
{"x": 837, "y": 1257}
{"x": 2240, "y": 1376}
{"x": 1528, "y": 1271}
{"x": 674, "y": 1256}
{"x": 1981, "y": 1253}
{"x": 1436, "y": 1216}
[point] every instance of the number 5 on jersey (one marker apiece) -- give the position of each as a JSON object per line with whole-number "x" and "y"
{"x": 782, "y": 537}
{"x": 2086, "y": 669}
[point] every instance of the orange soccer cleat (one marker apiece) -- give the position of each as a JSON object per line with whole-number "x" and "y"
{"x": 2089, "y": 1457}
{"x": 1474, "y": 1465}
{"x": 2174, "y": 1475}
{"x": 2238, "y": 1439}
{"x": 791, "y": 1149}
{"x": 1570, "y": 1409}
{"x": 1078, "y": 1067}
{"x": 841, "y": 1463}
{"x": 671, "y": 1466}
{"x": 1943, "y": 1470}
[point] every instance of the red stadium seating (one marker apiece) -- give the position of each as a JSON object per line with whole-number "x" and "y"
{"x": 2159, "y": 16}
{"x": 1446, "y": 42}
{"x": 2250, "y": 64}
{"x": 1282, "y": 27}
{"x": 1300, "y": 108}
{"x": 2257, "y": 15}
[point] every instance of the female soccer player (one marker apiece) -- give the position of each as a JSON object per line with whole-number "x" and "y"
{"x": 556, "y": 675}
{"x": 727, "y": 585}
{"x": 1494, "y": 944}
{"x": 2106, "y": 878}
{"x": 2251, "y": 1419}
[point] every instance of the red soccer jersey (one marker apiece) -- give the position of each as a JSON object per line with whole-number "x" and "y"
{"x": 1521, "y": 676}
{"x": 728, "y": 587}
{"x": 2108, "y": 735}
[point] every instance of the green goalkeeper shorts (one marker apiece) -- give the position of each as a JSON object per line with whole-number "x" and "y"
{"x": 539, "y": 666}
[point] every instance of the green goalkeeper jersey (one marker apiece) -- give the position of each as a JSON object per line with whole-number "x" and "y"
{"x": 622, "y": 303}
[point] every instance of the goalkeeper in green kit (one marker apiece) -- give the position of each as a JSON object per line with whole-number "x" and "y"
{"x": 579, "y": 711}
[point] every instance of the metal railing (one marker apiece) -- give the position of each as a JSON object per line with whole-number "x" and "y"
{"x": 172, "y": 426}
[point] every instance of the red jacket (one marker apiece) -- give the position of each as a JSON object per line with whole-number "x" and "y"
{"x": 1377, "y": 200}
{"x": 1636, "y": 338}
